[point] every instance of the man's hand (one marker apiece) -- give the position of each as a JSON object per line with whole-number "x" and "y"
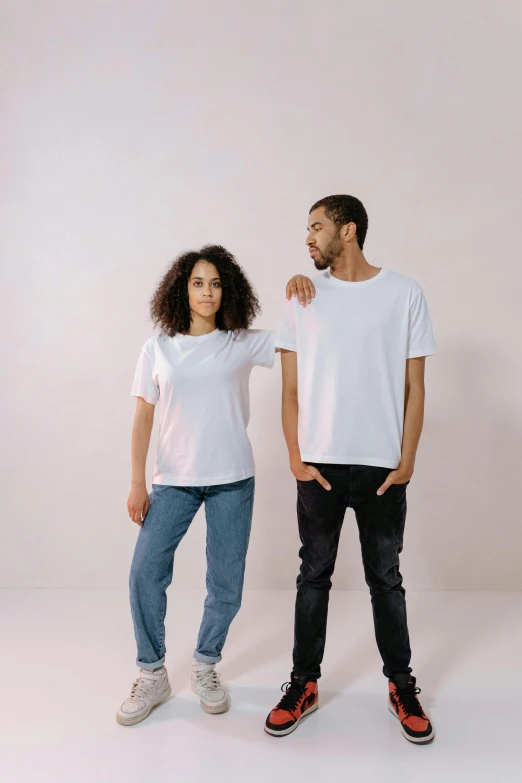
{"x": 138, "y": 503}
{"x": 399, "y": 476}
{"x": 304, "y": 472}
{"x": 302, "y": 287}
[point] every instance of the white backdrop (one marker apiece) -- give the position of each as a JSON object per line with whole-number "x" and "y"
{"x": 135, "y": 130}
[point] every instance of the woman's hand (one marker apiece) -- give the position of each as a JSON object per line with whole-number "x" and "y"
{"x": 302, "y": 287}
{"x": 138, "y": 503}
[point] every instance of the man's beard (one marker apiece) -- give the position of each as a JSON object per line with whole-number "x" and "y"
{"x": 331, "y": 252}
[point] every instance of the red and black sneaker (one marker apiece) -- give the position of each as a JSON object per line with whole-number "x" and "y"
{"x": 301, "y": 698}
{"x": 404, "y": 704}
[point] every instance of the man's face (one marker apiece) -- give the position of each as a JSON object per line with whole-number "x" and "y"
{"x": 323, "y": 241}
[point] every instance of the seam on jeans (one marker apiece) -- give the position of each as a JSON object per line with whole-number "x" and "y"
{"x": 220, "y": 644}
{"x": 164, "y": 612}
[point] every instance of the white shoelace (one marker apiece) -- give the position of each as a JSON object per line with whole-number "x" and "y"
{"x": 208, "y": 679}
{"x": 141, "y": 687}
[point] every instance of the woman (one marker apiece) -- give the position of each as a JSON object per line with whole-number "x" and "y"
{"x": 198, "y": 371}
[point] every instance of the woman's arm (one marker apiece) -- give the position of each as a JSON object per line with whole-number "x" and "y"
{"x": 138, "y": 501}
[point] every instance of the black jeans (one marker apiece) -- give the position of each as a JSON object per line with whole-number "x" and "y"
{"x": 381, "y": 521}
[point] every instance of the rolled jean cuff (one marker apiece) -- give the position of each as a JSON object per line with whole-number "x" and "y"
{"x": 151, "y": 666}
{"x": 206, "y": 658}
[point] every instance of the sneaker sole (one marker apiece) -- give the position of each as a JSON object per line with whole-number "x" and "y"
{"x": 212, "y": 709}
{"x": 132, "y": 721}
{"x": 215, "y": 710}
{"x": 421, "y": 740}
{"x": 294, "y": 726}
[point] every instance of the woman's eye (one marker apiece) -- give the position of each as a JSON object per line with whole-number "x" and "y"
{"x": 217, "y": 285}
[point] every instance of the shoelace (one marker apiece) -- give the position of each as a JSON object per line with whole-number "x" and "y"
{"x": 409, "y": 702}
{"x": 140, "y": 688}
{"x": 294, "y": 692}
{"x": 209, "y": 679}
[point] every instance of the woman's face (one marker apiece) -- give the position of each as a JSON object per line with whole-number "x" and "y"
{"x": 204, "y": 290}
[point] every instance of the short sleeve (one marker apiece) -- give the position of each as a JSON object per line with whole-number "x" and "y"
{"x": 260, "y": 347}
{"x": 145, "y": 383}
{"x": 286, "y": 331}
{"x": 421, "y": 341}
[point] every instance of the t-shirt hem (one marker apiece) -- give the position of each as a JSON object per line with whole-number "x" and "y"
{"x": 146, "y": 397}
{"x": 422, "y": 352}
{"x": 336, "y": 459}
{"x": 286, "y": 346}
{"x": 201, "y": 481}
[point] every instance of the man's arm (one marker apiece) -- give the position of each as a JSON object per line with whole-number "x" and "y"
{"x": 413, "y": 421}
{"x": 290, "y": 413}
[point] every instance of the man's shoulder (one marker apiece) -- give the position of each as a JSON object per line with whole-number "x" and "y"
{"x": 320, "y": 280}
{"x": 404, "y": 281}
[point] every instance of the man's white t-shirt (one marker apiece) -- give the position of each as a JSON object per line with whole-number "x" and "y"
{"x": 352, "y": 344}
{"x": 201, "y": 387}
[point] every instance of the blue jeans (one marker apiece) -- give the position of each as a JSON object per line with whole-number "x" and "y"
{"x": 228, "y": 511}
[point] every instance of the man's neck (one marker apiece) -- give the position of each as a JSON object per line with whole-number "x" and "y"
{"x": 353, "y": 267}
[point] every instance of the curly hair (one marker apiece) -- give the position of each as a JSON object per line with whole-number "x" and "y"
{"x": 169, "y": 306}
{"x": 345, "y": 209}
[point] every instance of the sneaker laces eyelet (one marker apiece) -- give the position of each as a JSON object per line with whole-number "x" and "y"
{"x": 407, "y": 699}
{"x": 294, "y": 693}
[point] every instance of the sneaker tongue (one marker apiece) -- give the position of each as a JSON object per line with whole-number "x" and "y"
{"x": 300, "y": 678}
{"x": 146, "y": 674}
{"x": 402, "y": 681}
{"x": 203, "y": 667}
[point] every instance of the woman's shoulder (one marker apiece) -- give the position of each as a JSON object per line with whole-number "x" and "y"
{"x": 251, "y": 334}
{"x": 154, "y": 342}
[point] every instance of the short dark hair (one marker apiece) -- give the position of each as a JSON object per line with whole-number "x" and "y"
{"x": 345, "y": 209}
{"x": 169, "y": 306}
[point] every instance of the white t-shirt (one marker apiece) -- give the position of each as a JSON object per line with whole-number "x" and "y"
{"x": 352, "y": 344}
{"x": 201, "y": 385}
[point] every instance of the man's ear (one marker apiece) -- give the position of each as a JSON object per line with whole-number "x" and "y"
{"x": 348, "y": 232}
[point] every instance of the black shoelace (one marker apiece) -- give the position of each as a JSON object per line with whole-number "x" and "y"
{"x": 294, "y": 692}
{"x": 407, "y": 697}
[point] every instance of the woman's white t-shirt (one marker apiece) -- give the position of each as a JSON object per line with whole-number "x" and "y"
{"x": 201, "y": 387}
{"x": 352, "y": 344}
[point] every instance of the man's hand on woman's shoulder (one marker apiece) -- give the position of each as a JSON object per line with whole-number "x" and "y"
{"x": 302, "y": 287}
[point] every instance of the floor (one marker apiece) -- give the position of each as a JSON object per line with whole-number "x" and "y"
{"x": 67, "y": 661}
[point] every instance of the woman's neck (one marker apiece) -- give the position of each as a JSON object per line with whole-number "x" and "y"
{"x": 200, "y": 326}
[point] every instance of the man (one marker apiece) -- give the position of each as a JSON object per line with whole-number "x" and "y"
{"x": 352, "y": 426}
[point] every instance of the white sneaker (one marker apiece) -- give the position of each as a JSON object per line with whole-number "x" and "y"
{"x": 150, "y": 689}
{"x": 205, "y": 682}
